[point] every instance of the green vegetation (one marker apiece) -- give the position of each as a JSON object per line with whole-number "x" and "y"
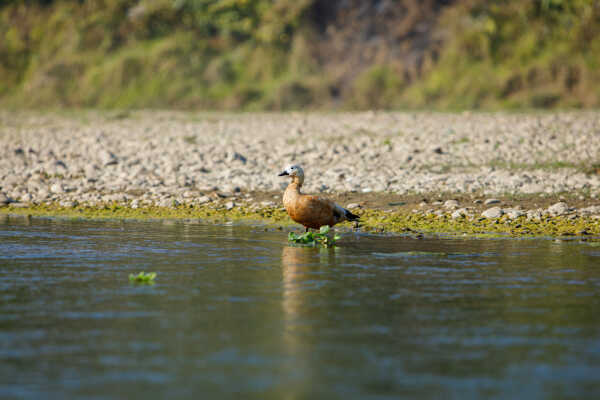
{"x": 321, "y": 238}
{"x": 509, "y": 54}
{"x": 263, "y": 54}
{"x": 375, "y": 221}
{"x": 142, "y": 277}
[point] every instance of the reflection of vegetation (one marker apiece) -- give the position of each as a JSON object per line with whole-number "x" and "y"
{"x": 263, "y": 54}
{"x": 315, "y": 238}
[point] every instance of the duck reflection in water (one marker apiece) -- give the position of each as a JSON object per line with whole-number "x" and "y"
{"x": 304, "y": 271}
{"x": 305, "y": 277}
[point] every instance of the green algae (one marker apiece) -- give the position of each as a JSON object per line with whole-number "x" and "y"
{"x": 374, "y": 221}
{"x": 519, "y": 227}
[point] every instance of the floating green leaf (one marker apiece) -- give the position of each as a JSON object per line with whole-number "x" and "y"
{"x": 142, "y": 277}
{"x": 315, "y": 238}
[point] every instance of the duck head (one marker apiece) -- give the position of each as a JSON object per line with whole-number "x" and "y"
{"x": 295, "y": 172}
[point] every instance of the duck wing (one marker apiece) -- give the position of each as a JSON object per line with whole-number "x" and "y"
{"x": 314, "y": 212}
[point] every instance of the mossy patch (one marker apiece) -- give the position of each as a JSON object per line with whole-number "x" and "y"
{"x": 374, "y": 221}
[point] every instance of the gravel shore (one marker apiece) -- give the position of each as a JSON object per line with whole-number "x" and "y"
{"x": 166, "y": 158}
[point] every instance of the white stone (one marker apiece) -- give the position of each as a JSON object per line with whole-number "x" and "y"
{"x": 492, "y": 213}
{"x": 203, "y": 200}
{"x": 57, "y": 188}
{"x": 107, "y": 158}
{"x": 559, "y": 208}
{"x": 450, "y": 204}
{"x": 487, "y": 202}
{"x": 460, "y": 213}
{"x": 513, "y": 213}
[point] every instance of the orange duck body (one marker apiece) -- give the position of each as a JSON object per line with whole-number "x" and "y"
{"x": 311, "y": 211}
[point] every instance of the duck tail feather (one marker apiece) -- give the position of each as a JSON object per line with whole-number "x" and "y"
{"x": 350, "y": 216}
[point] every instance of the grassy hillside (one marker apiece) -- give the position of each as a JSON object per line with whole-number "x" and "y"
{"x": 293, "y": 54}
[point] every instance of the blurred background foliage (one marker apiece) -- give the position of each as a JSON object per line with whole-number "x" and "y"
{"x": 300, "y": 54}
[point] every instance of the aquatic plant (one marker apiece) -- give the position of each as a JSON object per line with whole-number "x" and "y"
{"x": 142, "y": 277}
{"x": 321, "y": 238}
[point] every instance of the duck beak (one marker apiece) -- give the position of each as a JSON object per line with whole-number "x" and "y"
{"x": 284, "y": 173}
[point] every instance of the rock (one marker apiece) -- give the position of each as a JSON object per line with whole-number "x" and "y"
{"x": 267, "y": 203}
{"x": 60, "y": 164}
{"x": 460, "y": 213}
{"x": 19, "y": 205}
{"x": 487, "y": 202}
{"x": 534, "y": 214}
{"x": 450, "y": 204}
{"x": 240, "y": 152}
{"x": 219, "y": 195}
{"x": 492, "y": 213}
{"x": 203, "y": 200}
{"x": 559, "y": 208}
{"x": 107, "y": 158}
{"x": 352, "y": 205}
{"x": 478, "y": 201}
{"x": 42, "y": 194}
{"x": 238, "y": 157}
{"x": 513, "y": 213}
{"x": 57, "y": 188}
{"x": 135, "y": 204}
{"x": 590, "y": 210}
{"x": 27, "y": 198}
{"x": 164, "y": 203}
{"x": 229, "y": 205}
{"x": 4, "y": 199}
{"x": 531, "y": 188}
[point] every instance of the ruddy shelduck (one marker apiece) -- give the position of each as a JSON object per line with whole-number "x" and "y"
{"x": 310, "y": 211}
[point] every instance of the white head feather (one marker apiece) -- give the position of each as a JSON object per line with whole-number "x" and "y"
{"x": 294, "y": 170}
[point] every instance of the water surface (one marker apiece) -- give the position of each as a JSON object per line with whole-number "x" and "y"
{"x": 238, "y": 313}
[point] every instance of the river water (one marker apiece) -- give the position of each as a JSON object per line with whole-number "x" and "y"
{"x": 236, "y": 312}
